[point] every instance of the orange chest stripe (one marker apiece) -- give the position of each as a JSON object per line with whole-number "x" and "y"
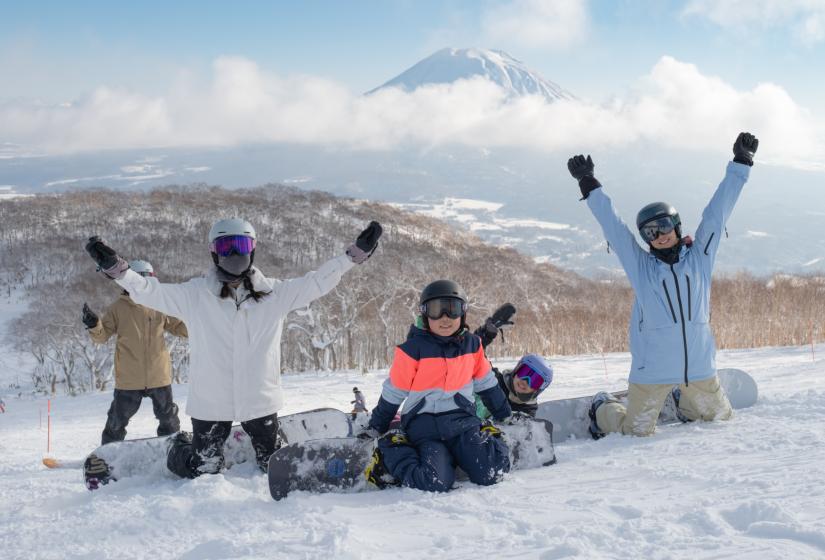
{"x": 448, "y": 374}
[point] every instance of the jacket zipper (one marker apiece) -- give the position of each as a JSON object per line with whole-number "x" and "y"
{"x": 667, "y": 294}
{"x": 708, "y": 243}
{"x": 682, "y": 315}
{"x": 690, "y": 304}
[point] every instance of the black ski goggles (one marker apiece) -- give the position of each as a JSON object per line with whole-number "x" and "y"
{"x": 654, "y": 228}
{"x": 437, "y": 308}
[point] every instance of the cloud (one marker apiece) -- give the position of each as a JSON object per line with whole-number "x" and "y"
{"x": 674, "y": 105}
{"x": 536, "y": 23}
{"x": 804, "y": 18}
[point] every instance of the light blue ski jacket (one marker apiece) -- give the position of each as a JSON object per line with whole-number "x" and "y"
{"x": 670, "y": 336}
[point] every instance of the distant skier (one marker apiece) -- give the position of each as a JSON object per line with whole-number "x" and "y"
{"x": 526, "y": 381}
{"x": 434, "y": 374}
{"x": 142, "y": 364}
{"x": 2, "y": 406}
{"x": 359, "y": 404}
{"x": 235, "y": 317}
{"x": 670, "y": 338}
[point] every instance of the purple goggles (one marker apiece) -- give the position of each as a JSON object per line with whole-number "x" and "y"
{"x": 536, "y": 380}
{"x": 228, "y": 244}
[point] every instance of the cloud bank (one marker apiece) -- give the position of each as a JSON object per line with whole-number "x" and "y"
{"x": 675, "y": 105}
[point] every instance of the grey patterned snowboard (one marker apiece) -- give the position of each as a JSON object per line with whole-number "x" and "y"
{"x": 338, "y": 464}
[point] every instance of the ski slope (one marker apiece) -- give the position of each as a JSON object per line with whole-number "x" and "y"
{"x": 749, "y": 488}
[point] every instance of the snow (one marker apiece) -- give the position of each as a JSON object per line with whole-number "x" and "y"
{"x": 748, "y": 488}
{"x": 450, "y": 65}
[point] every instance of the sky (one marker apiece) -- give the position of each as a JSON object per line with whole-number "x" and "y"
{"x": 86, "y": 76}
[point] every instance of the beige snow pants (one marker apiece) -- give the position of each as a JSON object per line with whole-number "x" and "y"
{"x": 701, "y": 400}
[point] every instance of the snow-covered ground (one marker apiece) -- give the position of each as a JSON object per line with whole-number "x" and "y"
{"x": 749, "y": 488}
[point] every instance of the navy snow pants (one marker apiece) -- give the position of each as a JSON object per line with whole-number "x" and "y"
{"x": 439, "y": 443}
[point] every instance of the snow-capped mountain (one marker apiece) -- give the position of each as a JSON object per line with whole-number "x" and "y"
{"x": 449, "y": 65}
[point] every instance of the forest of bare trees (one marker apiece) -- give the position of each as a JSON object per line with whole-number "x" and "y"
{"x": 358, "y": 324}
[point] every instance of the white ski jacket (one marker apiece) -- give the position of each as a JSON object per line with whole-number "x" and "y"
{"x": 234, "y": 343}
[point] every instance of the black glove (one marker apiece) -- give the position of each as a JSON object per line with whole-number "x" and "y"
{"x": 366, "y": 243}
{"x": 582, "y": 170}
{"x": 89, "y": 317}
{"x": 502, "y": 315}
{"x": 744, "y": 148}
{"x": 102, "y": 254}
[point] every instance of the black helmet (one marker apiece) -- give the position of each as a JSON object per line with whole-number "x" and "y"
{"x": 656, "y": 210}
{"x": 355, "y": 389}
{"x": 440, "y": 289}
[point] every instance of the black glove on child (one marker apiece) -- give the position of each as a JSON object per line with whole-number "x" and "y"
{"x": 744, "y": 148}
{"x": 89, "y": 317}
{"x": 366, "y": 243}
{"x": 581, "y": 169}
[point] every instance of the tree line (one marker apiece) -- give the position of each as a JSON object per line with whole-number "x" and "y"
{"x": 359, "y": 323}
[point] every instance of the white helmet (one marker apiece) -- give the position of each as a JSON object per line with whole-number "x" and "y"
{"x": 231, "y": 226}
{"x": 144, "y": 268}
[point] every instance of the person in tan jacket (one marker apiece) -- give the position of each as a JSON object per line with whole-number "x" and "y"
{"x": 142, "y": 364}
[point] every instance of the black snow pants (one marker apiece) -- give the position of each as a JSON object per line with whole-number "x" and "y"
{"x": 126, "y": 403}
{"x": 204, "y": 453}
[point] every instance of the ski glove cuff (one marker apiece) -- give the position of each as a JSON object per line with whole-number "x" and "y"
{"x": 117, "y": 271}
{"x": 587, "y": 185}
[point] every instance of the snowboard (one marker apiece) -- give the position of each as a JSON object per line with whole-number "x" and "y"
{"x": 570, "y": 416}
{"x": 338, "y": 464}
{"x": 147, "y": 456}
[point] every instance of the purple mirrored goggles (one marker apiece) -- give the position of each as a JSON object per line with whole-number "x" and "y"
{"x": 536, "y": 380}
{"x": 228, "y": 244}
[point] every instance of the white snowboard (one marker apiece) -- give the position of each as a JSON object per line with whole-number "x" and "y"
{"x": 570, "y": 416}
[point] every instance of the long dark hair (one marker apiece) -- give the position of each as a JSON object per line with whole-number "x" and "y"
{"x": 226, "y": 291}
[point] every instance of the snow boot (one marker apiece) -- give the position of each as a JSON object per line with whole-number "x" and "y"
{"x": 180, "y": 457}
{"x": 598, "y": 399}
{"x": 376, "y": 471}
{"x": 96, "y": 472}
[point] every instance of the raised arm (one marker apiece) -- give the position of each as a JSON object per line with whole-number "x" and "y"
{"x": 720, "y": 207}
{"x": 170, "y": 299}
{"x": 299, "y": 292}
{"x": 622, "y": 240}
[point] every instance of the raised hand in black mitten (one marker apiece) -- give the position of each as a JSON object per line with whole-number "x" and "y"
{"x": 581, "y": 169}
{"x": 108, "y": 261}
{"x": 502, "y": 315}
{"x": 102, "y": 254}
{"x": 89, "y": 317}
{"x": 366, "y": 243}
{"x": 744, "y": 148}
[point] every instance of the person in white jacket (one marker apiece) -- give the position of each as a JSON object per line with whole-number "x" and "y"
{"x": 234, "y": 315}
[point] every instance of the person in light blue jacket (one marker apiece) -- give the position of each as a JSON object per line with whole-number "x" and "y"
{"x": 671, "y": 343}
